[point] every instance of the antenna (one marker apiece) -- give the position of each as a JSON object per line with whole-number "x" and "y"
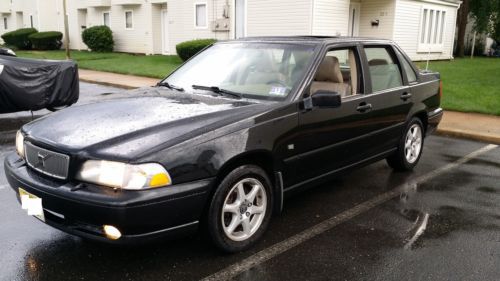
{"x": 428, "y": 58}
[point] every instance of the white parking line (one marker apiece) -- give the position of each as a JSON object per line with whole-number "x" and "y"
{"x": 285, "y": 245}
{"x": 2, "y": 186}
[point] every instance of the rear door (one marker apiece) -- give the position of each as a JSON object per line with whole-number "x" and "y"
{"x": 389, "y": 95}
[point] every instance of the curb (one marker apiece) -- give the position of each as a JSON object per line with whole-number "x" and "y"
{"x": 483, "y": 137}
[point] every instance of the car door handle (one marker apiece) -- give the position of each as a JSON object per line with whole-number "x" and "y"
{"x": 405, "y": 96}
{"x": 364, "y": 107}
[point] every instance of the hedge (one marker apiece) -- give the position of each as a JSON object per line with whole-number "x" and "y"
{"x": 50, "y": 40}
{"x": 98, "y": 38}
{"x": 188, "y": 49}
{"x": 19, "y": 38}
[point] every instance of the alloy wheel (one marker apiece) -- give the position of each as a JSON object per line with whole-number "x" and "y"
{"x": 413, "y": 143}
{"x": 244, "y": 209}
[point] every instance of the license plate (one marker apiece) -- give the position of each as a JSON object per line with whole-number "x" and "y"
{"x": 32, "y": 204}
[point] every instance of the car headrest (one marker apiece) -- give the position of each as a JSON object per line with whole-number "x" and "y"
{"x": 329, "y": 71}
{"x": 375, "y": 62}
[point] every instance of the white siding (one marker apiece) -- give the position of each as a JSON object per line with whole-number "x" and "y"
{"x": 278, "y": 17}
{"x": 382, "y": 10}
{"x": 407, "y": 25}
{"x": 181, "y": 26}
{"x": 136, "y": 39}
{"x": 330, "y": 17}
{"x": 47, "y": 15}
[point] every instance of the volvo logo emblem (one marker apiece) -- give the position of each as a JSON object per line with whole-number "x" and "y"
{"x": 41, "y": 159}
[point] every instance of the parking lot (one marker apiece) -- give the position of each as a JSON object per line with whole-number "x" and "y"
{"x": 440, "y": 222}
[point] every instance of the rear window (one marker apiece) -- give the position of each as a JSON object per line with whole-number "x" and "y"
{"x": 410, "y": 73}
{"x": 384, "y": 70}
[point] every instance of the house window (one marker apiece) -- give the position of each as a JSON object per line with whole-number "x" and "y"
{"x": 432, "y": 28}
{"x": 105, "y": 19}
{"x": 201, "y": 15}
{"x": 5, "y": 25}
{"x": 31, "y": 21}
{"x": 129, "y": 20}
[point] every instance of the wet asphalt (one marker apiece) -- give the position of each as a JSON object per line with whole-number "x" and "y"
{"x": 443, "y": 228}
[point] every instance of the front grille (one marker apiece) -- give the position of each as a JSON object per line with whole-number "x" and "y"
{"x": 47, "y": 162}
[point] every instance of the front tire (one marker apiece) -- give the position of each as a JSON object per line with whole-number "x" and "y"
{"x": 240, "y": 210}
{"x": 410, "y": 147}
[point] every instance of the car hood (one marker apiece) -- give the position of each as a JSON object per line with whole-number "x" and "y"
{"x": 123, "y": 128}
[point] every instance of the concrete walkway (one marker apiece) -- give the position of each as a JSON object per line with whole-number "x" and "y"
{"x": 116, "y": 80}
{"x": 474, "y": 126}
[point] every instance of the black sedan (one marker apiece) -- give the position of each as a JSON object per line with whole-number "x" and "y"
{"x": 220, "y": 142}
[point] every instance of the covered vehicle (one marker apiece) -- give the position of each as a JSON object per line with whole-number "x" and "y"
{"x": 28, "y": 84}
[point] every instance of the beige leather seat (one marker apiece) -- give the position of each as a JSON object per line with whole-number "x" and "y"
{"x": 329, "y": 78}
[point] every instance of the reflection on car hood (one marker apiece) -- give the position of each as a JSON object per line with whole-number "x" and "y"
{"x": 136, "y": 124}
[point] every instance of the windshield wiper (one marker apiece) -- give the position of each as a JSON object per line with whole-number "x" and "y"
{"x": 170, "y": 86}
{"x": 218, "y": 90}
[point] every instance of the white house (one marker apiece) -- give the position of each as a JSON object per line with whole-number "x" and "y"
{"x": 423, "y": 28}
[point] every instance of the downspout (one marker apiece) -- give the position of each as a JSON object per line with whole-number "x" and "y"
{"x": 311, "y": 18}
{"x": 394, "y": 20}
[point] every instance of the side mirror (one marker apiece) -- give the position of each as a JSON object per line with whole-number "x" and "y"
{"x": 323, "y": 99}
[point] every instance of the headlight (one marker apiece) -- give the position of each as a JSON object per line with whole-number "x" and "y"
{"x": 20, "y": 143}
{"x": 125, "y": 176}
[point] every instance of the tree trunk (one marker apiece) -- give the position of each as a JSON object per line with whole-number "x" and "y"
{"x": 463, "y": 18}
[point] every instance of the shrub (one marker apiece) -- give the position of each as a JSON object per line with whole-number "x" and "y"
{"x": 188, "y": 49}
{"x": 50, "y": 40}
{"x": 98, "y": 38}
{"x": 19, "y": 38}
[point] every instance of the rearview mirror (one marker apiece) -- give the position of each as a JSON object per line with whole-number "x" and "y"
{"x": 323, "y": 99}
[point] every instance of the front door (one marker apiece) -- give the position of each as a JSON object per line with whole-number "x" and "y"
{"x": 240, "y": 18}
{"x": 164, "y": 32}
{"x": 328, "y": 138}
{"x": 354, "y": 12}
{"x": 82, "y": 25}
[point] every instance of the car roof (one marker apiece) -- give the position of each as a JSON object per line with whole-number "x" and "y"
{"x": 313, "y": 39}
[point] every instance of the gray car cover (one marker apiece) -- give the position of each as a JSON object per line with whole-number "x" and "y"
{"x": 28, "y": 84}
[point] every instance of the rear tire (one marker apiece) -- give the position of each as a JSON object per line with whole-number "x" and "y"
{"x": 410, "y": 147}
{"x": 240, "y": 210}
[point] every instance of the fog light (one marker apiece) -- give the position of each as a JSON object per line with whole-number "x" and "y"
{"x": 112, "y": 232}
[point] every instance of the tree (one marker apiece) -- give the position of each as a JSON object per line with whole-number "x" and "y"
{"x": 486, "y": 15}
{"x": 463, "y": 19}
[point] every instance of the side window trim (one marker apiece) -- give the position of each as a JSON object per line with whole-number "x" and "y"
{"x": 361, "y": 87}
{"x": 402, "y": 57}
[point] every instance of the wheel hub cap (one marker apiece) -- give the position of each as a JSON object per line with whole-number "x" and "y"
{"x": 413, "y": 143}
{"x": 244, "y": 209}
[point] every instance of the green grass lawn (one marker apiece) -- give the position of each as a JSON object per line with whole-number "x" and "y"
{"x": 150, "y": 66}
{"x": 470, "y": 85}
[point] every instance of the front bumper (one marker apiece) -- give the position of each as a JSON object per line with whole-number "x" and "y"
{"x": 83, "y": 209}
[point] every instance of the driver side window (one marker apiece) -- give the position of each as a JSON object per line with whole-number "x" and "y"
{"x": 338, "y": 72}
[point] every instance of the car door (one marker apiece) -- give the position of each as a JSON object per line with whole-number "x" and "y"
{"x": 389, "y": 95}
{"x": 323, "y": 142}
{"x": 362, "y": 128}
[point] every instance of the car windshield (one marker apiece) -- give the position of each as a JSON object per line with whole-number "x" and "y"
{"x": 267, "y": 71}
